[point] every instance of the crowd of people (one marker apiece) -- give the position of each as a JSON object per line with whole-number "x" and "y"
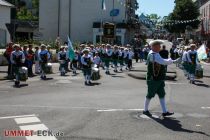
{"x": 85, "y": 57}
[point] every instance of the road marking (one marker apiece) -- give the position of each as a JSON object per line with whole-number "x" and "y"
{"x": 27, "y": 120}
{"x": 12, "y": 117}
{"x": 117, "y": 110}
{"x": 205, "y": 107}
{"x": 37, "y": 127}
{"x": 34, "y": 127}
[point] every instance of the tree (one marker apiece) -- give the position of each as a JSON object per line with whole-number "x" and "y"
{"x": 185, "y": 10}
{"x": 153, "y": 17}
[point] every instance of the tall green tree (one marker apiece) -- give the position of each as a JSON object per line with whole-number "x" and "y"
{"x": 183, "y": 10}
{"x": 154, "y": 17}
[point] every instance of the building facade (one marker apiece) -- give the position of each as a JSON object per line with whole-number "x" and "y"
{"x": 81, "y": 19}
{"x": 5, "y": 10}
{"x": 205, "y": 16}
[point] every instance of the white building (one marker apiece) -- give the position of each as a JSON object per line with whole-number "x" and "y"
{"x": 80, "y": 19}
{"x": 5, "y": 10}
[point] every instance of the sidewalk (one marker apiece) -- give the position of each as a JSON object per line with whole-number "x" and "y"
{"x": 3, "y": 72}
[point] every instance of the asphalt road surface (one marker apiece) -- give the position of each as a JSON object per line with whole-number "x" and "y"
{"x": 109, "y": 110}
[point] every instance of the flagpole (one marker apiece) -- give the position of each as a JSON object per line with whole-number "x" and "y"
{"x": 101, "y": 26}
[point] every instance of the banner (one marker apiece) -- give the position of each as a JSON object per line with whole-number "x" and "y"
{"x": 202, "y": 52}
{"x": 71, "y": 50}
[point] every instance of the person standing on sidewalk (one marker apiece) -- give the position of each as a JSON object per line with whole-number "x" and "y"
{"x": 156, "y": 73}
{"x": 7, "y": 54}
{"x": 30, "y": 58}
{"x": 37, "y": 67}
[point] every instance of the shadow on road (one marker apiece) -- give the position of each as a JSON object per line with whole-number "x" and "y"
{"x": 202, "y": 85}
{"x": 94, "y": 84}
{"x": 115, "y": 76}
{"x": 175, "y": 125}
{"x": 47, "y": 79}
{"x": 20, "y": 86}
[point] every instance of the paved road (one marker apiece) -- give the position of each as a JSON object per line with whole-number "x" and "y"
{"x": 110, "y": 110}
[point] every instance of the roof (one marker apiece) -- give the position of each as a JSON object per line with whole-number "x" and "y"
{"x": 5, "y": 3}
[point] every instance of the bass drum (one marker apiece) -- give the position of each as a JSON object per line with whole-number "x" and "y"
{"x": 48, "y": 68}
{"x": 23, "y": 74}
{"x": 95, "y": 74}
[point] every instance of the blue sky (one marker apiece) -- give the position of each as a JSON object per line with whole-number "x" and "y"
{"x": 160, "y": 7}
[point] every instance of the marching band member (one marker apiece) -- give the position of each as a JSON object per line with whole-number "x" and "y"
{"x": 130, "y": 57}
{"x": 192, "y": 58}
{"x": 17, "y": 59}
{"x": 102, "y": 52}
{"x": 62, "y": 58}
{"x": 156, "y": 73}
{"x": 108, "y": 56}
{"x": 87, "y": 61}
{"x": 97, "y": 60}
{"x": 121, "y": 57}
{"x": 74, "y": 62}
{"x": 185, "y": 61}
{"x": 126, "y": 58}
{"x": 44, "y": 57}
{"x": 115, "y": 57}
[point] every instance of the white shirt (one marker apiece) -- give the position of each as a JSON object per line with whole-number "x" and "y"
{"x": 62, "y": 53}
{"x": 17, "y": 53}
{"x": 44, "y": 52}
{"x": 158, "y": 59}
{"x": 130, "y": 55}
{"x": 188, "y": 56}
{"x": 184, "y": 56}
{"x": 97, "y": 60}
{"x": 109, "y": 52}
{"x": 83, "y": 60}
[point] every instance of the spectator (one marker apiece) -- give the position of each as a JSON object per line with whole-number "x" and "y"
{"x": 30, "y": 58}
{"x": 7, "y": 55}
{"x": 164, "y": 53}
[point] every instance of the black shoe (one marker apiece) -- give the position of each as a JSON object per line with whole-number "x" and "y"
{"x": 147, "y": 113}
{"x": 121, "y": 70}
{"x": 167, "y": 114}
{"x": 17, "y": 83}
{"x": 108, "y": 72}
{"x": 86, "y": 83}
{"x": 193, "y": 82}
{"x": 90, "y": 82}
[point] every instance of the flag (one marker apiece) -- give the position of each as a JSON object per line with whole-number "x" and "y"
{"x": 70, "y": 49}
{"x": 202, "y": 55}
{"x": 103, "y": 5}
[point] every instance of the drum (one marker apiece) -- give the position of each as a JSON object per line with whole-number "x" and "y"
{"x": 48, "y": 68}
{"x": 23, "y": 74}
{"x": 199, "y": 71}
{"x": 95, "y": 74}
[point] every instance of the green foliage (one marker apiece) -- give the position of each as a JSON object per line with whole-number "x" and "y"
{"x": 184, "y": 10}
{"x": 24, "y": 14}
{"x": 154, "y": 17}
